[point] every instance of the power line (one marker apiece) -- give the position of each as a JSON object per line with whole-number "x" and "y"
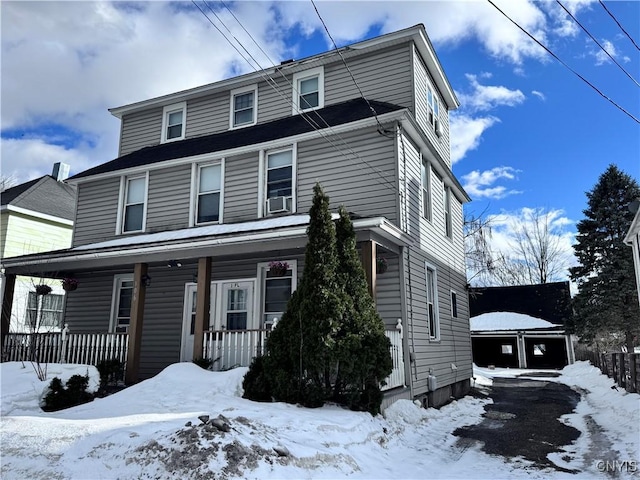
{"x": 272, "y": 83}
{"x": 618, "y": 23}
{"x": 597, "y": 43}
{"x": 564, "y": 64}
{"x": 345, "y": 64}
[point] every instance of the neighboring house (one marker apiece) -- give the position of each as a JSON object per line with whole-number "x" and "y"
{"x": 521, "y": 326}
{"x": 215, "y": 182}
{"x": 633, "y": 240}
{"x": 36, "y": 216}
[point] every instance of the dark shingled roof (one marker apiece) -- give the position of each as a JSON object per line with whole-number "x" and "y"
{"x": 548, "y": 301}
{"x": 338, "y": 114}
{"x": 44, "y": 195}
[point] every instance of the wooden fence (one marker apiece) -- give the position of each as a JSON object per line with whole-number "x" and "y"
{"x": 623, "y": 368}
{"x": 65, "y": 347}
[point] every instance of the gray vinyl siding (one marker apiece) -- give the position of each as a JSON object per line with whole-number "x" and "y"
{"x": 140, "y": 129}
{"x": 384, "y": 75}
{"x": 272, "y": 103}
{"x": 97, "y": 211}
{"x": 209, "y": 114}
{"x": 241, "y": 188}
{"x": 168, "y": 199}
{"x": 366, "y": 189}
{"x": 454, "y": 343}
{"x": 421, "y": 80}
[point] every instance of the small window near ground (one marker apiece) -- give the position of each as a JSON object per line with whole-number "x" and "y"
{"x": 507, "y": 349}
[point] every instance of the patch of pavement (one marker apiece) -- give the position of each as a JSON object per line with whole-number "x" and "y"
{"x": 523, "y": 421}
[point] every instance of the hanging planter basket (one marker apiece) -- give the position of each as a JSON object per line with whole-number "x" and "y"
{"x": 381, "y": 265}
{"x": 43, "y": 289}
{"x": 69, "y": 284}
{"x": 278, "y": 269}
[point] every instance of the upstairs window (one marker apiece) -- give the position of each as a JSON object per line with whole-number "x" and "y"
{"x": 244, "y": 109}
{"x": 279, "y": 182}
{"x": 173, "y": 122}
{"x": 426, "y": 190}
{"x": 209, "y": 194}
{"x": 134, "y": 204}
{"x": 433, "y": 111}
{"x": 308, "y": 90}
{"x": 447, "y": 213}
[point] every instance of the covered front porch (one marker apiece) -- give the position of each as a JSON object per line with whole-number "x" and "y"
{"x": 204, "y": 294}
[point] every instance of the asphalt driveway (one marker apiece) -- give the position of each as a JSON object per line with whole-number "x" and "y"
{"x": 523, "y": 420}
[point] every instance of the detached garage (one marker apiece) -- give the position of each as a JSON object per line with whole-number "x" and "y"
{"x": 515, "y": 340}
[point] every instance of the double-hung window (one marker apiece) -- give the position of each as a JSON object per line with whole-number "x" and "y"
{"x": 50, "y": 307}
{"x": 432, "y": 303}
{"x": 173, "y": 122}
{"x": 433, "y": 109}
{"x": 134, "y": 204}
{"x": 279, "y": 181}
{"x": 447, "y": 213}
{"x": 208, "y": 194}
{"x": 308, "y": 90}
{"x": 278, "y": 287}
{"x": 121, "y": 309}
{"x": 425, "y": 175}
{"x": 244, "y": 108}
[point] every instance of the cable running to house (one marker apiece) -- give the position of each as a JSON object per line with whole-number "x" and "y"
{"x": 619, "y": 25}
{"x": 597, "y": 43}
{"x": 565, "y": 65}
{"x": 373, "y": 111}
{"x": 271, "y": 82}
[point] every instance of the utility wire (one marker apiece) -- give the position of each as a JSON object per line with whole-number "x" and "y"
{"x": 597, "y": 43}
{"x": 373, "y": 111}
{"x": 385, "y": 182}
{"x": 621, "y": 27}
{"x": 564, "y": 64}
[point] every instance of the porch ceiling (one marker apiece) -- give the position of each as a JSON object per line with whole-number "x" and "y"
{"x": 210, "y": 241}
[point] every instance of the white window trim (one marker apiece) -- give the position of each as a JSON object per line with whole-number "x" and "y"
{"x": 451, "y": 294}
{"x": 433, "y": 336}
{"x": 297, "y": 77}
{"x": 448, "y": 221}
{"x": 121, "y": 199}
{"x": 429, "y": 214}
{"x": 264, "y": 171}
{"x": 193, "y": 204}
{"x": 165, "y": 117}
{"x": 240, "y": 91}
{"x": 115, "y": 297}
{"x": 262, "y": 275}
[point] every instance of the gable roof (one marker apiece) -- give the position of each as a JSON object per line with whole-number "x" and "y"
{"x": 44, "y": 195}
{"x": 334, "y": 115}
{"x": 547, "y": 301}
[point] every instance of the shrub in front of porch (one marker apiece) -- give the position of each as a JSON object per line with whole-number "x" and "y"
{"x": 74, "y": 393}
{"x": 330, "y": 342}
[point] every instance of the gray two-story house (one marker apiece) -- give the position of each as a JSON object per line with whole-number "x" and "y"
{"x": 173, "y": 239}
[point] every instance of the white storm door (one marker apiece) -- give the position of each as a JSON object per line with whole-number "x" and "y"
{"x": 237, "y": 306}
{"x": 189, "y": 319}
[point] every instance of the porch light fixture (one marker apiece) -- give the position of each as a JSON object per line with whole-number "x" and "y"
{"x": 174, "y": 264}
{"x": 146, "y": 280}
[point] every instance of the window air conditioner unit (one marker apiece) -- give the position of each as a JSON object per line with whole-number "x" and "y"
{"x": 438, "y": 129}
{"x": 278, "y": 204}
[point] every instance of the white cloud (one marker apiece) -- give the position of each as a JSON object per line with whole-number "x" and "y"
{"x": 601, "y": 55}
{"x": 466, "y": 133}
{"x": 482, "y": 184}
{"x": 487, "y": 97}
{"x": 538, "y": 94}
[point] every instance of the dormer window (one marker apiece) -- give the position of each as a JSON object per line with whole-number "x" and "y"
{"x": 308, "y": 90}
{"x": 173, "y": 122}
{"x": 244, "y": 108}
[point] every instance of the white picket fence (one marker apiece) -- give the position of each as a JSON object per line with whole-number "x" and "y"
{"x": 65, "y": 347}
{"x": 228, "y": 349}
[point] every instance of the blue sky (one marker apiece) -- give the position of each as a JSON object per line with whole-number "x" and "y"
{"x": 529, "y": 134}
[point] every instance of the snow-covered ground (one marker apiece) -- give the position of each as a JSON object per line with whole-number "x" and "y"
{"x": 152, "y": 430}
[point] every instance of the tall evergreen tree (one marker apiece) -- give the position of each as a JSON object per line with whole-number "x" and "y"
{"x": 362, "y": 349}
{"x": 607, "y": 304}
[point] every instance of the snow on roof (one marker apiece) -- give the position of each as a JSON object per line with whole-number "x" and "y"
{"x": 507, "y": 321}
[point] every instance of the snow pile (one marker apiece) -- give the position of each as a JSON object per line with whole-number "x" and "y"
{"x": 493, "y": 321}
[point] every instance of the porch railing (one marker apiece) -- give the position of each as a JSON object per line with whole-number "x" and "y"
{"x": 65, "y": 347}
{"x": 228, "y": 349}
